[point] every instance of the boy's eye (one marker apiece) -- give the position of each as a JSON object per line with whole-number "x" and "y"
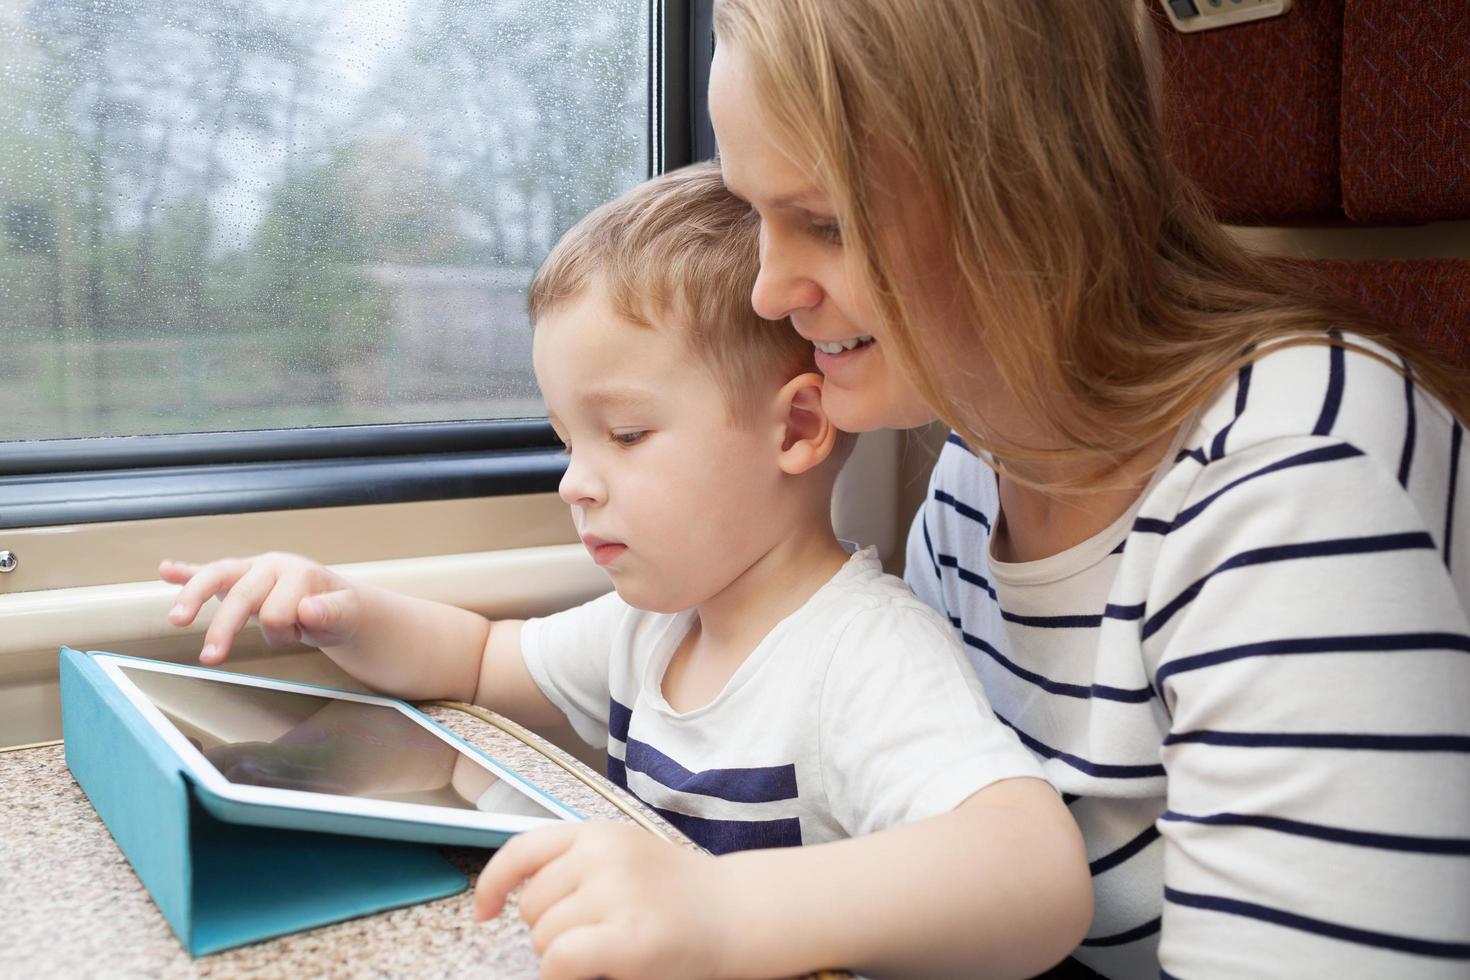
{"x": 629, "y": 438}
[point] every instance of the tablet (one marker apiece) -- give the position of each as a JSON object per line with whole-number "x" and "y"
{"x": 281, "y": 754}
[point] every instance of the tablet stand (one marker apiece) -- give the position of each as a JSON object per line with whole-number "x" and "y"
{"x": 218, "y": 884}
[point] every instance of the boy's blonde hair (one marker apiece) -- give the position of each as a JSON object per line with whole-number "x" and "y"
{"x": 1090, "y": 273}
{"x": 681, "y": 248}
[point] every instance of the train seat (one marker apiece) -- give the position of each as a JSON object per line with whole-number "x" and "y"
{"x": 1340, "y": 114}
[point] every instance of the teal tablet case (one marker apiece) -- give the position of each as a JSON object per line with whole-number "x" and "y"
{"x": 219, "y": 884}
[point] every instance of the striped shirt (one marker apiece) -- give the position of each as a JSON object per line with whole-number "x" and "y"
{"x": 857, "y": 712}
{"x": 1253, "y": 689}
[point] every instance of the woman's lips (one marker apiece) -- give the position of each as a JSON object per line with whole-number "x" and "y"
{"x": 835, "y": 364}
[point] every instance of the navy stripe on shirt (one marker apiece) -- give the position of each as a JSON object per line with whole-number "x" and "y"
{"x": 619, "y": 717}
{"x": 1101, "y": 770}
{"x": 1117, "y": 857}
{"x": 1320, "y": 927}
{"x": 929, "y": 543}
{"x": 1102, "y": 691}
{"x": 1242, "y": 390}
{"x": 1198, "y": 455}
{"x": 755, "y": 784}
{"x": 1076, "y": 620}
{"x": 1336, "y": 376}
{"x": 962, "y": 508}
{"x": 1364, "y": 643}
{"x": 1456, "y": 436}
{"x": 965, "y": 575}
{"x": 1338, "y": 835}
{"x": 725, "y": 836}
{"x": 1406, "y": 457}
{"x": 1080, "y": 621}
{"x": 718, "y": 836}
{"x": 1290, "y": 552}
{"x": 954, "y": 439}
{"x": 1326, "y": 454}
{"x": 1323, "y": 740}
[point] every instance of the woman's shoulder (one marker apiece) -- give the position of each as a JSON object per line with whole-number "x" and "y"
{"x": 1334, "y": 439}
{"x": 1341, "y": 388}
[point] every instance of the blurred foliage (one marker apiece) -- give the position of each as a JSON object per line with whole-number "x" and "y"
{"x": 221, "y": 182}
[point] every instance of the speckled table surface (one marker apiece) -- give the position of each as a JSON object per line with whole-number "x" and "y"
{"x": 71, "y": 906}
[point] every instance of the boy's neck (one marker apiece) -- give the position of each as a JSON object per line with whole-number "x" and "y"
{"x": 732, "y": 623}
{"x": 774, "y": 587}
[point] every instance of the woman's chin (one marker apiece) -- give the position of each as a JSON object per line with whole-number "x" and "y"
{"x": 859, "y": 411}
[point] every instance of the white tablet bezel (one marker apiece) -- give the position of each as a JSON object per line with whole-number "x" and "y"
{"x": 203, "y": 772}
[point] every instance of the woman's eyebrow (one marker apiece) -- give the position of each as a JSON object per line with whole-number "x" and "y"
{"x": 810, "y": 201}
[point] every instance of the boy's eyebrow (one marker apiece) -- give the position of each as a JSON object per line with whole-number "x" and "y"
{"x": 617, "y": 397}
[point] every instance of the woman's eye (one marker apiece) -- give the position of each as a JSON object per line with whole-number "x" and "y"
{"x": 629, "y": 438}
{"x": 827, "y": 231}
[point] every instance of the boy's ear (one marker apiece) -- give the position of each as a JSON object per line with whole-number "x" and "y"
{"x": 808, "y": 436}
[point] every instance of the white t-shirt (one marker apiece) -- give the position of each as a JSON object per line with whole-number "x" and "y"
{"x": 1253, "y": 690}
{"x": 857, "y": 712}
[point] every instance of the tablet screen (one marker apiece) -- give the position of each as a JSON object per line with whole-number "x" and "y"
{"x": 260, "y": 736}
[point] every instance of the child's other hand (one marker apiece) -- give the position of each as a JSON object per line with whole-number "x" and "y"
{"x": 609, "y": 900}
{"x": 294, "y": 598}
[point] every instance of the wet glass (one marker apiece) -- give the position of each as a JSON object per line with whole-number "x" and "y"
{"x": 250, "y": 214}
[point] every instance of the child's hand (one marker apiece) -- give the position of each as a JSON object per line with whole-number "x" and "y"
{"x": 295, "y": 599}
{"x": 608, "y": 900}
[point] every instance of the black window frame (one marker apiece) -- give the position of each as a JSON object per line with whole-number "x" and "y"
{"x": 114, "y": 478}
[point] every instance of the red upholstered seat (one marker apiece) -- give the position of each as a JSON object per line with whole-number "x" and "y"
{"x": 1427, "y": 298}
{"x": 1340, "y": 112}
{"x": 1252, "y": 113}
{"x": 1406, "y": 111}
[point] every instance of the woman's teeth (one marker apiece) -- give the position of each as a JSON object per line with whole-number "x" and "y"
{"x": 838, "y": 346}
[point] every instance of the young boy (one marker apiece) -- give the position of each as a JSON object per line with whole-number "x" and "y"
{"x": 751, "y": 681}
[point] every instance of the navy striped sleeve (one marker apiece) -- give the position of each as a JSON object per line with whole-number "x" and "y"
{"x": 1308, "y": 642}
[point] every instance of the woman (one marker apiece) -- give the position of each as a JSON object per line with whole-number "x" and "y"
{"x": 1196, "y": 525}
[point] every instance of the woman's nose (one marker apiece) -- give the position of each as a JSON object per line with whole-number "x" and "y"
{"x": 580, "y": 486}
{"x": 783, "y": 286}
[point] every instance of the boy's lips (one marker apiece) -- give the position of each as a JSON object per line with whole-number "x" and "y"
{"x": 603, "y": 552}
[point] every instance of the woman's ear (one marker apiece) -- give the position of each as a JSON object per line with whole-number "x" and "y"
{"x": 807, "y": 435}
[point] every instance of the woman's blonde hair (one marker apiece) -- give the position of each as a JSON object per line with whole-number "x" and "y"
{"x": 1090, "y": 272}
{"x": 682, "y": 252}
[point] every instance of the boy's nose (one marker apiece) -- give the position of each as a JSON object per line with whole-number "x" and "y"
{"x": 579, "y": 487}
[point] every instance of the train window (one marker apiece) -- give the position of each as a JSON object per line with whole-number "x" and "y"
{"x": 242, "y": 214}
{"x": 257, "y": 230}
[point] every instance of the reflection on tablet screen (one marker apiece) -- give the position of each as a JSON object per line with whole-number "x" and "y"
{"x": 263, "y": 737}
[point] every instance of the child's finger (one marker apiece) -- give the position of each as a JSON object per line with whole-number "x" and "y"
{"x": 520, "y": 858}
{"x": 586, "y": 951}
{"x": 576, "y": 911}
{"x": 243, "y": 600}
{"x": 205, "y": 581}
{"x": 177, "y": 572}
{"x": 329, "y": 618}
{"x": 277, "y": 613}
{"x": 556, "y": 880}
